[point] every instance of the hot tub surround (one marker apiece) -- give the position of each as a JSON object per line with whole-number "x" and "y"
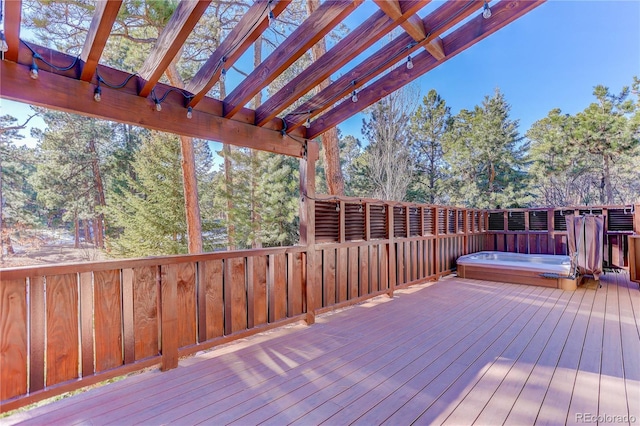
{"x": 518, "y": 268}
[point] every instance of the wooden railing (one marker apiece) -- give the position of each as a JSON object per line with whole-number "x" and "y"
{"x": 366, "y": 247}
{"x": 67, "y": 326}
{"x": 63, "y": 327}
{"x": 545, "y": 231}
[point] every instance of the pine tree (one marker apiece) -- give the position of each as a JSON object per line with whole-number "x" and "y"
{"x": 18, "y": 207}
{"x": 486, "y": 157}
{"x": 605, "y": 130}
{"x": 149, "y": 214}
{"x": 429, "y": 124}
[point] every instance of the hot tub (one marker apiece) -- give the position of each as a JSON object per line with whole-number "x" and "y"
{"x": 517, "y": 268}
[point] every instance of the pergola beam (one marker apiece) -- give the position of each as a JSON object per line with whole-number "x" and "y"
{"x": 103, "y": 18}
{"x": 461, "y": 39}
{"x": 12, "y": 18}
{"x": 345, "y": 50}
{"x": 317, "y": 25}
{"x": 67, "y": 94}
{"x": 437, "y": 22}
{"x": 251, "y": 26}
{"x": 170, "y": 41}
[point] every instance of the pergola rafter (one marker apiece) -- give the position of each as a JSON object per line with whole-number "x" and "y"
{"x": 470, "y": 33}
{"x": 71, "y": 87}
{"x": 316, "y": 26}
{"x": 103, "y": 18}
{"x": 250, "y": 27}
{"x": 345, "y": 50}
{"x": 170, "y": 41}
{"x": 438, "y": 22}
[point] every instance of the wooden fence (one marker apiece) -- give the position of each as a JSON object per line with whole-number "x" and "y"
{"x": 545, "y": 230}
{"x": 63, "y": 327}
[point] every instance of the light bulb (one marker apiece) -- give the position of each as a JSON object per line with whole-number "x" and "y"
{"x": 337, "y": 207}
{"x": 97, "y": 94}
{"x": 354, "y": 97}
{"x": 409, "y": 63}
{"x": 307, "y": 123}
{"x": 223, "y": 75}
{"x": 158, "y": 106}
{"x": 33, "y": 70}
{"x": 271, "y": 16}
{"x": 190, "y": 113}
{"x": 4, "y": 47}
{"x": 486, "y": 13}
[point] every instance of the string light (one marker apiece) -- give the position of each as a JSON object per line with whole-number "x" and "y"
{"x": 354, "y": 97}
{"x": 223, "y": 75}
{"x": 190, "y": 113}
{"x": 486, "y": 13}
{"x": 409, "y": 63}
{"x": 271, "y": 16}
{"x": 158, "y": 105}
{"x": 33, "y": 69}
{"x": 97, "y": 93}
{"x": 307, "y": 123}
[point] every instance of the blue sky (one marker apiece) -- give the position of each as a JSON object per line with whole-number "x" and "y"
{"x": 550, "y": 58}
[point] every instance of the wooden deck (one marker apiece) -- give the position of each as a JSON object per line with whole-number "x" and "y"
{"x": 455, "y": 352}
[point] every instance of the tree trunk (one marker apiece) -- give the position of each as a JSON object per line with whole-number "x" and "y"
{"x": 189, "y": 179}
{"x": 76, "y": 228}
{"x": 606, "y": 180}
{"x": 85, "y": 229}
{"x": 329, "y": 139}
{"x": 99, "y": 193}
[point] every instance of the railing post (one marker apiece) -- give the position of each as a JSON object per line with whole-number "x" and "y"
{"x": 308, "y": 224}
{"x": 169, "y": 305}
{"x": 392, "y": 250}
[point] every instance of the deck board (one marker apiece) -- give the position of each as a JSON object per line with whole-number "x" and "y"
{"x": 459, "y": 351}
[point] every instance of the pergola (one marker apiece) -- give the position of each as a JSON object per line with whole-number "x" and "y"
{"x": 430, "y": 41}
{"x": 171, "y": 306}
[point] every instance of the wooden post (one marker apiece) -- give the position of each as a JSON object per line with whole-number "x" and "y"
{"x": 392, "y": 250}
{"x": 436, "y": 245}
{"x": 169, "y": 312}
{"x": 551, "y": 238}
{"x": 308, "y": 223}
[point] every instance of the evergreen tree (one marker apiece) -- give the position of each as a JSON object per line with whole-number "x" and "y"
{"x": 428, "y": 126}
{"x": 486, "y": 157}
{"x": 605, "y": 130}
{"x": 559, "y": 172}
{"x": 150, "y": 214}
{"x": 18, "y": 207}
{"x": 69, "y": 177}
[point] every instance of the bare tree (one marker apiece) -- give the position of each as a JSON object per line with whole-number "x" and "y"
{"x": 387, "y": 163}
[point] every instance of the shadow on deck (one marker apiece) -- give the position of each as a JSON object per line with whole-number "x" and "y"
{"x": 456, "y": 351}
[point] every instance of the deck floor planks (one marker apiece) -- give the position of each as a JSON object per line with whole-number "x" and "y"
{"x": 194, "y": 405}
{"x": 511, "y": 384}
{"x": 612, "y": 370}
{"x": 586, "y": 390}
{"x": 406, "y": 365}
{"x": 422, "y": 389}
{"x": 463, "y": 374}
{"x": 360, "y": 394}
{"x": 525, "y": 409}
{"x": 306, "y": 385}
{"x": 630, "y": 344}
{"x": 556, "y": 401}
